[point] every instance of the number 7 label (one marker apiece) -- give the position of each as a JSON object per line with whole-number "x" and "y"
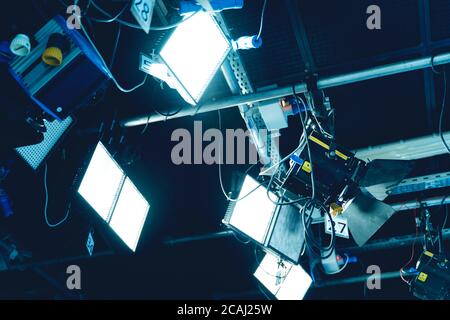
{"x": 340, "y": 226}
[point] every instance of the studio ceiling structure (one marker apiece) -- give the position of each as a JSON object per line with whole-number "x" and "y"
{"x": 386, "y": 88}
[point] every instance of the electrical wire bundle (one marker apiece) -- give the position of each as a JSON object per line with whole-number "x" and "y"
{"x": 310, "y": 204}
{"x": 413, "y": 249}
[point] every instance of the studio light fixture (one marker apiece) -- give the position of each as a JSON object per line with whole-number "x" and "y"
{"x": 283, "y": 279}
{"x": 191, "y": 56}
{"x": 253, "y": 214}
{"x": 277, "y": 229}
{"x": 113, "y": 196}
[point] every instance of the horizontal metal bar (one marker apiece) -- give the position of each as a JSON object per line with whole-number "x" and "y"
{"x": 58, "y": 261}
{"x": 414, "y": 204}
{"x": 358, "y": 279}
{"x": 416, "y": 184}
{"x": 411, "y": 149}
{"x": 208, "y": 236}
{"x": 334, "y": 81}
{"x": 386, "y": 244}
{"x": 383, "y": 71}
{"x": 230, "y": 102}
{"x": 398, "y": 207}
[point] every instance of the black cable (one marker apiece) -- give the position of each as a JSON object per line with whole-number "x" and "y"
{"x": 262, "y": 19}
{"x": 258, "y": 262}
{"x": 440, "y": 240}
{"x": 241, "y": 241}
{"x": 446, "y": 217}
{"x": 162, "y": 114}
{"x": 136, "y": 26}
{"x": 250, "y": 168}
{"x": 313, "y": 191}
{"x": 330, "y": 247}
{"x": 309, "y": 238}
{"x": 146, "y": 126}
{"x": 282, "y": 202}
{"x": 220, "y": 171}
{"x": 168, "y": 115}
{"x": 433, "y": 67}
{"x": 113, "y": 18}
{"x": 444, "y": 223}
{"x": 116, "y": 45}
{"x": 88, "y": 6}
{"x": 444, "y": 98}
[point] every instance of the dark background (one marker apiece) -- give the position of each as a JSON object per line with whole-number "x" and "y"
{"x": 187, "y": 200}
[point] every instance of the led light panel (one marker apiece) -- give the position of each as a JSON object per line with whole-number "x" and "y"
{"x": 284, "y": 280}
{"x": 295, "y": 285}
{"x": 253, "y": 214}
{"x": 129, "y": 214}
{"x": 114, "y": 197}
{"x": 271, "y": 274}
{"x": 102, "y": 182}
{"x": 194, "y": 53}
{"x": 35, "y": 154}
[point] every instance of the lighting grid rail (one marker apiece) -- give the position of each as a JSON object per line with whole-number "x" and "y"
{"x": 334, "y": 81}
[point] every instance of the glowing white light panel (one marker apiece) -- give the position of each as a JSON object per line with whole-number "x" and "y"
{"x": 253, "y": 214}
{"x": 129, "y": 214}
{"x": 114, "y": 197}
{"x": 101, "y": 182}
{"x": 194, "y": 53}
{"x": 284, "y": 280}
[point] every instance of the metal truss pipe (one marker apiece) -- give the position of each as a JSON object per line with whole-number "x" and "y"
{"x": 209, "y": 236}
{"x": 334, "y": 81}
{"x": 411, "y": 149}
{"x": 358, "y": 279}
{"x": 387, "y": 244}
{"x": 58, "y": 261}
{"x": 414, "y": 204}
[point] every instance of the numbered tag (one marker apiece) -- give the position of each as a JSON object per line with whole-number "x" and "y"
{"x": 340, "y": 226}
{"x": 142, "y": 11}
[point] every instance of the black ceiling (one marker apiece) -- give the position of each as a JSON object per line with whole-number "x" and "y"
{"x": 187, "y": 200}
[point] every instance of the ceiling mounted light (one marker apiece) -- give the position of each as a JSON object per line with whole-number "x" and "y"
{"x": 254, "y": 213}
{"x": 283, "y": 279}
{"x": 276, "y": 228}
{"x": 107, "y": 189}
{"x": 192, "y": 55}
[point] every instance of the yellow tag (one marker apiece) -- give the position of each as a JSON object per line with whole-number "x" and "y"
{"x": 341, "y": 155}
{"x": 422, "y": 277}
{"x": 319, "y": 142}
{"x": 327, "y": 147}
{"x": 306, "y": 166}
{"x": 428, "y": 253}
